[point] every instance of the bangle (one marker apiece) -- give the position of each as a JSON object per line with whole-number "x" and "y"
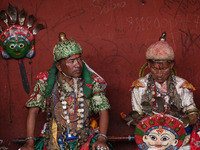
{"x": 100, "y": 134}
{"x": 30, "y": 138}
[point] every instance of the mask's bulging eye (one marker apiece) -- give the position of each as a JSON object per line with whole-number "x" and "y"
{"x": 165, "y": 138}
{"x": 12, "y": 46}
{"x": 153, "y": 137}
{"x": 21, "y": 45}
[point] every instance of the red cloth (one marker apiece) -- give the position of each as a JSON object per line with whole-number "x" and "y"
{"x": 87, "y": 144}
{"x": 195, "y": 140}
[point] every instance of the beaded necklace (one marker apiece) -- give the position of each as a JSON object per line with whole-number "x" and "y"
{"x": 77, "y": 106}
{"x": 152, "y": 92}
{"x": 153, "y": 89}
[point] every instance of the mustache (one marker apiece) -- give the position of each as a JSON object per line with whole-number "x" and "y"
{"x": 77, "y": 69}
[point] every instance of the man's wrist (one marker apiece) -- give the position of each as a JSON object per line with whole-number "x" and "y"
{"x": 30, "y": 140}
{"x": 101, "y": 136}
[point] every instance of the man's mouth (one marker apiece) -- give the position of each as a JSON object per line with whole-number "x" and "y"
{"x": 18, "y": 54}
{"x": 77, "y": 71}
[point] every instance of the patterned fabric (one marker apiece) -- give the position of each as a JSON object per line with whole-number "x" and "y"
{"x": 137, "y": 84}
{"x": 98, "y": 101}
{"x": 37, "y": 98}
{"x": 187, "y": 85}
{"x": 195, "y": 140}
{"x": 65, "y": 49}
{"x": 186, "y": 96}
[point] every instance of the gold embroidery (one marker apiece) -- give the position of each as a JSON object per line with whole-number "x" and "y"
{"x": 136, "y": 84}
{"x": 187, "y": 85}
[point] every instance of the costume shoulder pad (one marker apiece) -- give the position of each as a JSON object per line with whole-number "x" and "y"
{"x": 137, "y": 83}
{"x": 98, "y": 79}
{"x": 42, "y": 76}
{"x": 188, "y": 85}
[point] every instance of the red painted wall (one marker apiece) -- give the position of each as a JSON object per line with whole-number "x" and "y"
{"x": 114, "y": 35}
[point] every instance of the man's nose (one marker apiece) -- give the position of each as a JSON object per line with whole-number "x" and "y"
{"x": 159, "y": 73}
{"x": 77, "y": 63}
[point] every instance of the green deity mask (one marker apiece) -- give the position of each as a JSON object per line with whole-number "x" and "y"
{"x": 17, "y": 42}
{"x": 17, "y": 48}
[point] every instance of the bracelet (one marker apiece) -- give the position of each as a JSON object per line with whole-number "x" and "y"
{"x": 100, "y": 134}
{"x": 30, "y": 138}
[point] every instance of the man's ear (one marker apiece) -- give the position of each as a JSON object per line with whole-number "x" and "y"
{"x": 58, "y": 66}
{"x": 148, "y": 64}
{"x": 172, "y": 65}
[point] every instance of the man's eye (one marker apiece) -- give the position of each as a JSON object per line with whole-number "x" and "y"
{"x": 153, "y": 137}
{"x": 79, "y": 59}
{"x": 164, "y": 68}
{"x": 12, "y": 46}
{"x": 21, "y": 45}
{"x": 165, "y": 138}
{"x": 71, "y": 61}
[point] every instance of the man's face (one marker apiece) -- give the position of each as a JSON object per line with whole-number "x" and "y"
{"x": 160, "y": 141}
{"x": 71, "y": 66}
{"x": 17, "y": 48}
{"x": 160, "y": 70}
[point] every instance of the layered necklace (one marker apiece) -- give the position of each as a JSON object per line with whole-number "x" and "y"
{"x": 74, "y": 106}
{"x": 153, "y": 89}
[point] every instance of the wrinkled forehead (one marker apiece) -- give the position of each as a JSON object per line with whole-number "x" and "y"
{"x": 160, "y": 63}
{"x": 73, "y": 57}
{"x": 70, "y": 57}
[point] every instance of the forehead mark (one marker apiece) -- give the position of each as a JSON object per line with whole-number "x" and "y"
{"x": 160, "y": 130}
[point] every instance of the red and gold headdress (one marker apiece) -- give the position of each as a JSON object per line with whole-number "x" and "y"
{"x": 159, "y": 122}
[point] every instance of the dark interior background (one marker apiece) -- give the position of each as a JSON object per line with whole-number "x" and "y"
{"x": 114, "y": 35}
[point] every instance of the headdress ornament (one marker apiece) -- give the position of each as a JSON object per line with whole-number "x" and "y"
{"x": 17, "y": 32}
{"x": 66, "y": 48}
{"x": 160, "y": 122}
{"x": 160, "y": 50}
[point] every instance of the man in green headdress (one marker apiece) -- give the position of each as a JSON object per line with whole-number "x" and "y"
{"x": 69, "y": 92}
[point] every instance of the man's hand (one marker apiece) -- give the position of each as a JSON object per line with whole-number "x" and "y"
{"x": 29, "y": 145}
{"x": 193, "y": 119}
{"x": 100, "y": 144}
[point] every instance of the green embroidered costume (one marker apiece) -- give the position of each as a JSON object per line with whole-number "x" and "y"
{"x": 68, "y": 106}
